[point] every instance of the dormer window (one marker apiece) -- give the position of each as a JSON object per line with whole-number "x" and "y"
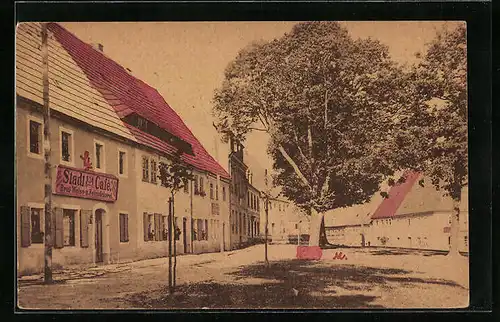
{"x": 155, "y": 130}
{"x": 142, "y": 124}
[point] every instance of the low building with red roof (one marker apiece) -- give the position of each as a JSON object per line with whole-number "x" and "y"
{"x": 414, "y": 215}
{"x": 109, "y": 133}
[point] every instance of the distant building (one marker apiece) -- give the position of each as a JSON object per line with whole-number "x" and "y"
{"x": 284, "y": 220}
{"x": 245, "y": 199}
{"x": 411, "y": 217}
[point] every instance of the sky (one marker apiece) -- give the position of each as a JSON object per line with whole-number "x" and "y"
{"x": 185, "y": 62}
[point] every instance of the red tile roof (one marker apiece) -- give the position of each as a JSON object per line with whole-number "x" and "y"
{"x": 389, "y": 206}
{"x": 127, "y": 95}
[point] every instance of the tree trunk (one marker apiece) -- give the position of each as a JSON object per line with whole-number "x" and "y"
{"x": 316, "y": 228}
{"x": 455, "y": 229}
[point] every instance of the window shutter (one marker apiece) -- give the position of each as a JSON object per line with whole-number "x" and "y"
{"x": 25, "y": 226}
{"x": 84, "y": 225}
{"x": 145, "y": 224}
{"x": 126, "y": 228}
{"x": 59, "y": 228}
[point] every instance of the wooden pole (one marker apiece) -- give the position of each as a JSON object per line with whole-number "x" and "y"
{"x": 47, "y": 158}
{"x": 170, "y": 245}
{"x": 174, "y": 230}
{"x": 267, "y": 221}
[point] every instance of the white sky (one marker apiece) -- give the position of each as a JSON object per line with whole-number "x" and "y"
{"x": 185, "y": 61}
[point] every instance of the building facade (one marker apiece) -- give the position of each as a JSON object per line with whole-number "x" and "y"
{"x": 285, "y": 221}
{"x": 109, "y": 134}
{"x": 245, "y": 200}
{"x": 413, "y": 217}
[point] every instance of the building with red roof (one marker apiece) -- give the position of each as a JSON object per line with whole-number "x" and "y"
{"x": 413, "y": 215}
{"x": 110, "y": 131}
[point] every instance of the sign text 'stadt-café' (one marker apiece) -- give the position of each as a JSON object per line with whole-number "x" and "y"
{"x": 86, "y": 184}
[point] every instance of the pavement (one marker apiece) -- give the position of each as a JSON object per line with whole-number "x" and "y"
{"x": 364, "y": 278}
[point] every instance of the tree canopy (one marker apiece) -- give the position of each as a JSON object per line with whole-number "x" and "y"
{"x": 328, "y": 102}
{"x": 433, "y": 135}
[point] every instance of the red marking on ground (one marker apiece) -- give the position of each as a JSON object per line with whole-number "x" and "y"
{"x": 309, "y": 252}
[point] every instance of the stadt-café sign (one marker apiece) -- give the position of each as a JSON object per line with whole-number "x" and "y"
{"x": 86, "y": 184}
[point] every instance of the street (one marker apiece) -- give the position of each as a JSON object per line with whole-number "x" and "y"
{"x": 366, "y": 278}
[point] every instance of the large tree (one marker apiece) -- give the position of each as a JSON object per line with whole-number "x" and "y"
{"x": 327, "y": 102}
{"x": 433, "y": 131}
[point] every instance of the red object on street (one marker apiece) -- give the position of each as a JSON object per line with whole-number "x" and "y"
{"x": 309, "y": 252}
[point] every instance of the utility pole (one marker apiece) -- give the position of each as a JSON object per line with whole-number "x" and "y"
{"x": 170, "y": 206}
{"x": 47, "y": 155}
{"x": 174, "y": 232}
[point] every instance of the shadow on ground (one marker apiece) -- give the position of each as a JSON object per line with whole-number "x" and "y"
{"x": 342, "y": 286}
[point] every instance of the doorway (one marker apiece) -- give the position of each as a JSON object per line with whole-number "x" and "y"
{"x": 98, "y": 236}
{"x": 362, "y": 240}
{"x": 184, "y": 234}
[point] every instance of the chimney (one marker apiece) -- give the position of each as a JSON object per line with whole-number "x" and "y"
{"x": 98, "y": 46}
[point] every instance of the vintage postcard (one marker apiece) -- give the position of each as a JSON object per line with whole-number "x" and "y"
{"x": 242, "y": 165}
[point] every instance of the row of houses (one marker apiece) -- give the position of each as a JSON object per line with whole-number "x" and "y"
{"x": 109, "y": 134}
{"x": 413, "y": 216}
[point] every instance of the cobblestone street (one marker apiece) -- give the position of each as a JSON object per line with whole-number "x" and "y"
{"x": 239, "y": 279}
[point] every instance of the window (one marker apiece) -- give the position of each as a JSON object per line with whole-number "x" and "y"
{"x": 202, "y": 187}
{"x": 145, "y": 169}
{"x": 223, "y": 193}
{"x": 409, "y": 221}
{"x": 196, "y": 188}
{"x": 65, "y": 137}
{"x": 211, "y": 191}
{"x": 186, "y": 186}
{"x": 216, "y": 192}
{"x": 151, "y": 227}
{"x": 35, "y": 137}
{"x": 122, "y": 163}
{"x": 465, "y": 241}
{"x": 248, "y": 199}
{"x": 123, "y": 228}
{"x": 296, "y": 226}
{"x": 69, "y": 227}
{"x": 99, "y": 156}
{"x": 200, "y": 232}
{"x": 153, "y": 172}
{"x": 36, "y": 226}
